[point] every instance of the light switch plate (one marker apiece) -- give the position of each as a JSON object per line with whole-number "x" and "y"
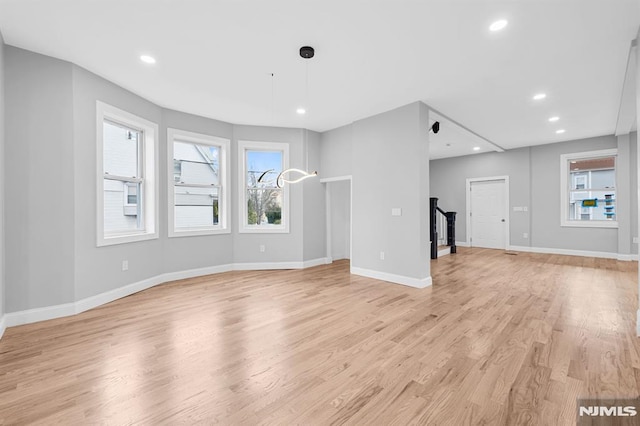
{"x": 396, "y": 211}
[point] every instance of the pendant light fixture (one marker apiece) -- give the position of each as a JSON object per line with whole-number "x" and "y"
{"x": 306, "y": 52}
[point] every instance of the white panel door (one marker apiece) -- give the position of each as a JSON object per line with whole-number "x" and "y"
{"x": 488, "y": 208}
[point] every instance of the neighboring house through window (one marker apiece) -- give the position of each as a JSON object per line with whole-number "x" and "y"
{"x": 263, "y": 206}
{"x": 198, "y": 183}
{"x": 127, "y": 186}
{"x": 589, "y": 189}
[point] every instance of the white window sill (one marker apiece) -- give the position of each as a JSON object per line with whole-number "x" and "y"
{"x": 264, "y": 230}
{"x": 590, "y": 224}
{"x": 126, "y": 238}
{"x": 197, "y": 232}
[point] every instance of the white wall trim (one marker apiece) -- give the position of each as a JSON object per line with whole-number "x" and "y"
{"x": 224, "y": 187}
{"x": 462, "y": 244}
{"x": 638, "y": 323}
{"x": 243, "y": 227}
{"x": 150, "y": 175}
{"x": 507, "y": 213}
{"x": 565, "y": 186}
{"x": 570, "y": 252}
{"x": 335, "y": 179}
{"x": 392, "y": 278}
{"x": 67, "y": 309}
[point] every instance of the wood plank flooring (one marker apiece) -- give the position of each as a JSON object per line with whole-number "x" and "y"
{"x": 499, "y": 339}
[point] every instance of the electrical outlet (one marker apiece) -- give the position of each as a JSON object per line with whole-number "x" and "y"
{"x": 525, "y": 209}
{"x": 381, "y": 255}
{"x": 262, "y": 248}
{"x": 525, "y": 235}
{"x": 635, "y": 240}
{"x": 125, "y": 265}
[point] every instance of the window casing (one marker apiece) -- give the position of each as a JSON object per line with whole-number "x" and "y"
{"x": 263, "y": 207}
{"x": 198, "y": 185}
{"x": 589, "y": 196}
{"x": 126, "y": 177}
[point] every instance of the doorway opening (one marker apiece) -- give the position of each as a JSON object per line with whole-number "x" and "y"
{"x": 338, "y": 205}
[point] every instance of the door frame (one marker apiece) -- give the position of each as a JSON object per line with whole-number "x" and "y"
{"x": 507, "y": 206}
{"x": 328, "y": 214}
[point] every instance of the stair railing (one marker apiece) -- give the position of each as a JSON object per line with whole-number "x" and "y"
{"x": 433, "y": 228}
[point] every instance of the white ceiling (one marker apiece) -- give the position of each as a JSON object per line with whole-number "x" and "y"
{"x": 454, "y": 140}
{"x": 215, "y": 58}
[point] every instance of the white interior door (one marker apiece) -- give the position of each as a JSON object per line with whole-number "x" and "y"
{"x": 488, "y": 211}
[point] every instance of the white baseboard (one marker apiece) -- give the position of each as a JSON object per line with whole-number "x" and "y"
{"x": 393, "y": 278}
{"x": 462, "y": 244}
{"x": 3, "y": 325}
{"x": 280, "y": 265}
{"x": 570, "y": 252}
{"x": 444, "y": 252}
{"x": 316, "y": 262}
{"x": 638, "y": 323}
{"x": 627, "y": 257}
{"x": 29, "y": 316}
{"x": 198, "y": 272}
{"x": 58, "y": 311}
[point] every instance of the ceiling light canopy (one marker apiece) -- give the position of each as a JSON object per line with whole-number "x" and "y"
{"x": 498, "y": 25}
{"x": 554, "y": 119}
{"x": 560, "y": 131}
{"x": 148, "y": 59}
{"x": 301, "y": 111}
{"x": 539, "y": 96}
{"x": 476, "y": 148}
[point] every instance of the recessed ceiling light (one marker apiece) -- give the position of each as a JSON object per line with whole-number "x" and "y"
{"x": 554, "y": 119}
{"x": 560, "y": 131}
{"x": 476, "y": 148}
{"x": 301, "y": 111}
{"x": 498, "y": 25}
{"x": 539, "y": 96}
{"x": 148, "y": 59}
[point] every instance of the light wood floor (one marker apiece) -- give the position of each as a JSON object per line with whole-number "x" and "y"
{"x": 498, "y": 339}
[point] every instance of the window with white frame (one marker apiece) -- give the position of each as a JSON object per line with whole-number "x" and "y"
{"x": 198, "y": 183}
{"x": 589, "y": 196}
{"x": 126, "y": 184}
{"x": 264, "y": 207}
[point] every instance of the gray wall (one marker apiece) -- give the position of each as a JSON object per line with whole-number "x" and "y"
{"x": 545, "y": 195}
{"x": 535, "y": 183}
{"x": 51, "y": 139}
{"x": 2, "y": 179}
{"x": 448, "y": 184}
{"x": 99, "y": 269}
{"x": 337, "y": 152}
{"x": 278, "y": 247}
{"x": 206, "y": 250}
{"x": 380, "y": 144}
{"x": 40, "y": 201}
